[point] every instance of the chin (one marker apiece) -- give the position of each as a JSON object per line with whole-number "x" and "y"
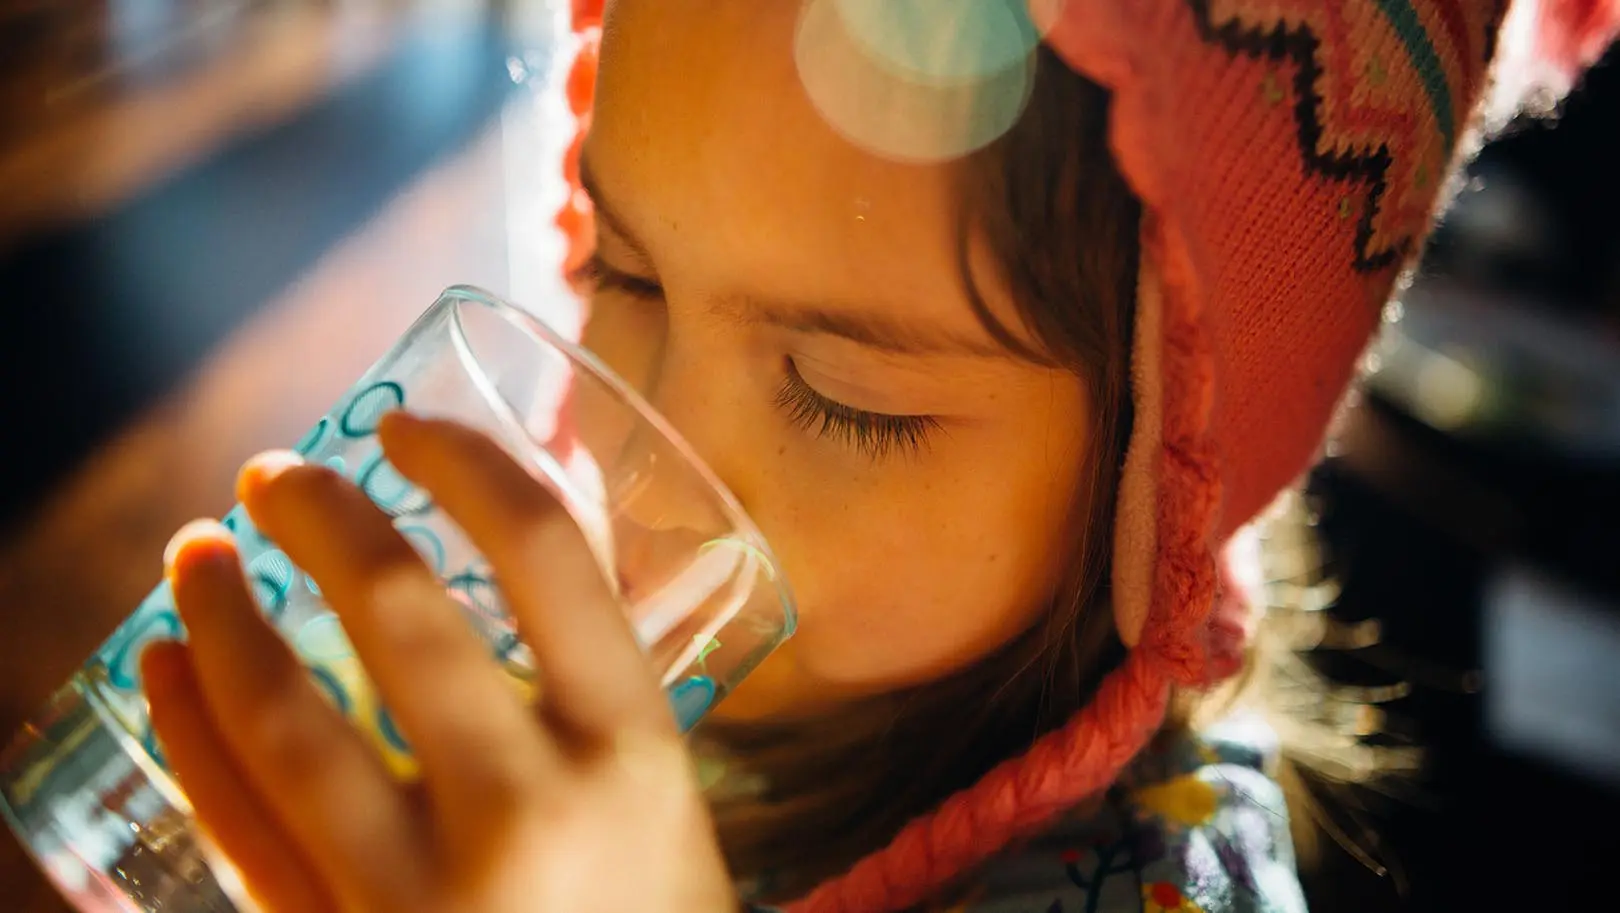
{"x": 783, "y": 689}
{"x": 786, "y": 687}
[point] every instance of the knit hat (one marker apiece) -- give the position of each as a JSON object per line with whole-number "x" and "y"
{"x": 1289, "y": 156}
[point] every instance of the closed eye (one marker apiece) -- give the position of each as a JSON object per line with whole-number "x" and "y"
{"x": 600, "y": 275}
{"x": 874, "y": 435}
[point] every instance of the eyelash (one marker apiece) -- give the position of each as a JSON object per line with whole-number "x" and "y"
{"x": 874, "y": 435}
{"x": 596, "y": 273}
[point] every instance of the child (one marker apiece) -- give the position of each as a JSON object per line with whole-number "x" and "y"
{"x": 1002, "y": 390}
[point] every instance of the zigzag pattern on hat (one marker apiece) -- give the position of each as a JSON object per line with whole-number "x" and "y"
{"x": 1372, "y": 87}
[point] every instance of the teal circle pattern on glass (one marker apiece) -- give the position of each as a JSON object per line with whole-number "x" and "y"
{"x": 504, "y": 645}
{"x": 240, "y": 526}
{"x": 691, "y": 699}
{"x": 368, "y": 407}
{"x": 153, "y": 621}
{"x": 322, "y": 640}
{"x": 237, "y": 523}
{"x": 389, "y": 490}
{"x": 427, "y": 544}
{"x": 479, "y": 594}
{"x": 516, "y": 658}
{"x": 271, "y": 576}
{"x": 315, "y": 438}
{"x": 390, "y": 732}
{"x": 332, "y": 688}
{"x": 482, "y": 600}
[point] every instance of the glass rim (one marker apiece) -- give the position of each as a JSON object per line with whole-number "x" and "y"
{"x": 535, "y": 326}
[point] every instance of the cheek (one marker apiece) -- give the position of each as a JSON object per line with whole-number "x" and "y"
{"x": 902, "y": 583}
{"x": 892, "y": 616}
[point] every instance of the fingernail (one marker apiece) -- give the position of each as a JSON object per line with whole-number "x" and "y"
{"x": 399, "y": 417}
{"x": 151, "y": 661}
{"x": 397, "y": 422}
{"x": 194, "y": 531}
{"x": 261, "y": 469}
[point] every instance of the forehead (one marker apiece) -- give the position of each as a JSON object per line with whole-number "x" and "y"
{"x": 704, "y": 137}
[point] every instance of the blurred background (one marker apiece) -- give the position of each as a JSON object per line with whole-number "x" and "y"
{"x": 1470, "y": 510}
{"x": 214, "y": 214}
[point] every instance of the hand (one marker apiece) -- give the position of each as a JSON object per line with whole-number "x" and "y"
{"x": 586, "y": 803}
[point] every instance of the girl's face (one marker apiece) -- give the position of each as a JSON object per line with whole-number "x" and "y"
{"x": 794, "y": 305}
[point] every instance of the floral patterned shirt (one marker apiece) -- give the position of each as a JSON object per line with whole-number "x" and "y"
{"x": 1199, "y": 826}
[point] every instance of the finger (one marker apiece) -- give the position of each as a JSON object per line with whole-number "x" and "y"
{"x": 594, "y": 676}
{"x": 275, "y": 873}
{"x": 472, "y": 735}
{"x": 327, "y": 789}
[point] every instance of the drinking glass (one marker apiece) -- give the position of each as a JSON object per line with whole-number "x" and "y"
{"x": 84, "y": 784}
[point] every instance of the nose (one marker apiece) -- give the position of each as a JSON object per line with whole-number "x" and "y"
{"x": 647, "y": 477}
{"x": 693, "y": 393}
{"x": 664, "y": 358}
{"x": 683, "y": 571}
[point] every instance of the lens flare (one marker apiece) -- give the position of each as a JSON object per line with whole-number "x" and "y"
{"x": 917, "y": 80}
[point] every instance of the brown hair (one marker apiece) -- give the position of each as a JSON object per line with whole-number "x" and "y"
{"x": 1063, "y": 228}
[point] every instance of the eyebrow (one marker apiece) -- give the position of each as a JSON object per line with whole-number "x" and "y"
{"x": 604, "y": 210}
{"x": 874, "y": 331}
{"x": 884, "y": 334}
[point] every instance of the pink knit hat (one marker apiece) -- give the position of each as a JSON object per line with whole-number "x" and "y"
{"x": 1289, "y": 156}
